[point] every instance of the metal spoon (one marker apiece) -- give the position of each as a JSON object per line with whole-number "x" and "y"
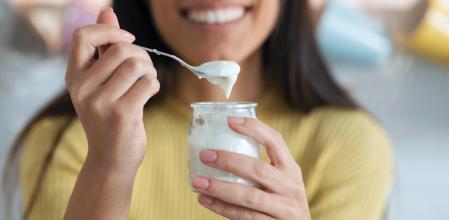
{"x": 202, "y": 71}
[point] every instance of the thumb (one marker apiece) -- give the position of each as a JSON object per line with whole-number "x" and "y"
{"x": 107, "y": 16}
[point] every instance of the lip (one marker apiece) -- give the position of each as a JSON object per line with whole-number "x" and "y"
{"x": 214, "y": 5}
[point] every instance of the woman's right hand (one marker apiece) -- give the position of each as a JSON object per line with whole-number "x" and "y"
{"x": 109, "y": 93}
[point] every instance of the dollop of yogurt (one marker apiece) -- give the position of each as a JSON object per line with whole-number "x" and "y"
{"x": 222, "y": 73}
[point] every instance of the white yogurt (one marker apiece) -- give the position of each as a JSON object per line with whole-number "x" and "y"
{"x": 222, "y": 73}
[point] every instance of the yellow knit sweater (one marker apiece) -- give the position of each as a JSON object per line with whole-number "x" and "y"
{"x": 345, "y": 156}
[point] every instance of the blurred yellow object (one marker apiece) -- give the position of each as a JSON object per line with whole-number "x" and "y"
{"x": 430, "y": 37}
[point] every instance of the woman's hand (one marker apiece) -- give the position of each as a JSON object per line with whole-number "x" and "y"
{"x": 109, "y": 93}
{"x": 282, "y": 195}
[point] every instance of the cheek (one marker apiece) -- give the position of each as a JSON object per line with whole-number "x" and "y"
{"x": 250, "y": 38}
{"x": 266, "y": 16}
{"x": 263, "y": 21}
{"x": 173, "y": 29}
{"x": 165, "y": 15}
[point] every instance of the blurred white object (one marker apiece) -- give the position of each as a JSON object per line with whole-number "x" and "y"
{"x": 55, "y": 20}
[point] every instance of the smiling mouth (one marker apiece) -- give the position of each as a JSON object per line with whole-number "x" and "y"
{"x": 215, "y": 16}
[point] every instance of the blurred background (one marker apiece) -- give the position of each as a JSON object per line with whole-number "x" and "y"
{"x": 392, "y": 55}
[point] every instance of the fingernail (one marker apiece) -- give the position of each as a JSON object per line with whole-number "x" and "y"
{"x": 106, "y": 8}
{"x": 208, "y": 156}
{"x": 236, "y": 120}
{"x": 128, "y": 35}
{"x": 200, "y": 183}
{"x": 205, "y": 199}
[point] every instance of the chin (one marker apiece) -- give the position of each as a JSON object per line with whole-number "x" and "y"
{"x": 205, "y": 53}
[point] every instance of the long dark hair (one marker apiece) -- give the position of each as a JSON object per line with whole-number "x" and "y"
{"x": 290, "y": 56}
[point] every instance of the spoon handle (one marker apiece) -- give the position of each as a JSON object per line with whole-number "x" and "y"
{"x": 157, "y": 52}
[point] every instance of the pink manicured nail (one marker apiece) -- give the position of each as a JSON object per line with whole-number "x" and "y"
{"x": 200, "y": 183}
{"x": 205, "y": 199}
{"x": 208, "y": 156}
{"x": 236, "y": 120}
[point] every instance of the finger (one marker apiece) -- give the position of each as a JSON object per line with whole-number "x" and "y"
{"x": 273, "y": 142}
{"x": 145, "y": 88}
{"x": 241, "y": 195}
{"x": 247, "y": 167}
{"x": 107, "y": 16}
{"x": 87, "y": 38}
{"x": 230, "y": 211}
{"x": 115, "y": 58}
{"x": 125, "y": 76}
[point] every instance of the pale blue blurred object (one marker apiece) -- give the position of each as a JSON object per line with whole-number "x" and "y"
{"x": 348, "y": 35}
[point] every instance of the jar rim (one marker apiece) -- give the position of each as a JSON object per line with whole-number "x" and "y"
{"x": 223, "y": 105}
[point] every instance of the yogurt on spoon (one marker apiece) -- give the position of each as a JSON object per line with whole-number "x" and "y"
{"x": 222, "y": 73}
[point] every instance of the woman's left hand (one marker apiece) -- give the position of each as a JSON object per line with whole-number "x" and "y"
{"x": 282, "y": 195}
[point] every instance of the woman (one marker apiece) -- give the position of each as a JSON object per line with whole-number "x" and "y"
{"x": 125, "y": 154}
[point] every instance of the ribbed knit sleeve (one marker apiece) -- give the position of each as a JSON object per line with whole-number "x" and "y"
{"x": 354, "y": 169}
{"x": 58, "y": 182}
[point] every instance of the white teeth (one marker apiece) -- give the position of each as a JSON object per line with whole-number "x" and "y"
{"x": 216, "y": 16}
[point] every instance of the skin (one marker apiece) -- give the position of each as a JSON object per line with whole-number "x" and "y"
{"x": 109, "y": 95}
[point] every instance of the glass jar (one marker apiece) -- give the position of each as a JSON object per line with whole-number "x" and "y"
{"x": 209, "y": 130}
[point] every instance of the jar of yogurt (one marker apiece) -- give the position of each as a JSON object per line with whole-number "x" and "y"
{"x": 209, "y": 130}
